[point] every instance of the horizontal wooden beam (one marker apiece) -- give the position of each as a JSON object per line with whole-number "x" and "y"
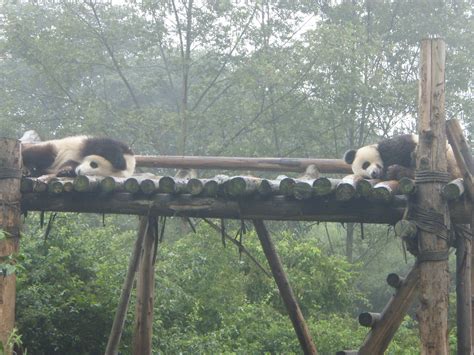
{"x": 332, "y": 166}
{"x": 274, "y": 208}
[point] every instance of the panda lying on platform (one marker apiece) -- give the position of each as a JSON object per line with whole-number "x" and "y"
{"x": 79, "y": 155}
{"x": 392, "y": 159}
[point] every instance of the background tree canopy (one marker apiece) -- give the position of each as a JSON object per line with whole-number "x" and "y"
{"x": 263, "y": 78}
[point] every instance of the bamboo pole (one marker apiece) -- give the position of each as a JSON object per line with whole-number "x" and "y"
{"x": 119, "y": 320}
{"x": 145, "y": 292}
{"x": 10, "y": 175}
{"x": 431, "y": 156}
{"x": 335, "y": 166}
{"x": 453, "y": 190}
{"x": 284, "y": 286}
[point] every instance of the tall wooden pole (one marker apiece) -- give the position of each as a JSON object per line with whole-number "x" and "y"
{"x": 10, "y": 174}
{"x": 286, "y": 292}
{"x": 145, "y": 291}
{"x": 431, "y": 210}
{"x": 464, "y": 270}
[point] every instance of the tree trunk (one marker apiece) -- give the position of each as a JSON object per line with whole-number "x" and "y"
{"x": 10, "y": 174}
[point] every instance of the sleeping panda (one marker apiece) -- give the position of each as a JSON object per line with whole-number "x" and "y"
{"x": 79, "y": 155}
{"x": 392, "y": 159}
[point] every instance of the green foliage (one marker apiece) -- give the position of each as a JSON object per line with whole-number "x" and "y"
{"x": 69, "y": 289}
{"x": 303, "y": 78}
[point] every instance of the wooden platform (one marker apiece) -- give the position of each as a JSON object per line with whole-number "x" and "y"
{"x": 231, "y": 197}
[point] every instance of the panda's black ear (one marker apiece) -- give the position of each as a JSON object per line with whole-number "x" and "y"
{"x": 349, "y": 156}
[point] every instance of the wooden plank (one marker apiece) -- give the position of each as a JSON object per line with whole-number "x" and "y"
{"x": 10, "y": 173}
{"x": 286, "y": 291}
{"x": 272, "y": 208}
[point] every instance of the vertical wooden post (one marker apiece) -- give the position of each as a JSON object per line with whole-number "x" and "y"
{"x": 10, "y": 175}
{"x": 119, "y": 319}
{"x": 464, "y": 271}
{"x": 145, "y": 291}
{"x": 463, "y": 289}
{"x": 286, "y": 292}
{"x": 431, "y": 158}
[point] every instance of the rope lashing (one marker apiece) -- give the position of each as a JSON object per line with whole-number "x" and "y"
{"x": 427, "y": 176}
{"x": 10, "y": 173}
{"x": 431, "y": 222}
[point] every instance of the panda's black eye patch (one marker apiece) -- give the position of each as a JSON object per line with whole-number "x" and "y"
{"x": 94, "y": 165}
{"x": 365, "y": 165}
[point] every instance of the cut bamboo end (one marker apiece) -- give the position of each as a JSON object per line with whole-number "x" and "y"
{"x": 385, "y": 191}
{"x": 55, "y": 187}
{"x": 303, "y": 190}
{"x": 453, "y": 190}
{"x": 149, "y": 186}
{"x": 242, "y": 186}
{"x": 132, "y": 185}
{"x": 211, "y": 188}
{"x": 286, "y": 186}
{"x": 195, "y": 186}
{"x": 365, "y": 187}
{"x": 268, "y": 187}
{"x": 167, "y": 185}
{"x": 108, "y": 184}
{"x": 395, "y": 280}
{"x": 368, "y": 319}
{"x": 407, "y": 186}
{"x": 324, "y": 186}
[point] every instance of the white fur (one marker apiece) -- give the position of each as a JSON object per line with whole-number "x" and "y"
{"x": 97, "y": 165}
{"x": 371, "y": 154}
{"x": 68, "y": 148}
{"x": 30, "y": 136}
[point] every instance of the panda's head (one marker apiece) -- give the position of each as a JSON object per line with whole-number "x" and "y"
{"x": 365, "y": 161}
{"x": 98, "y": 165}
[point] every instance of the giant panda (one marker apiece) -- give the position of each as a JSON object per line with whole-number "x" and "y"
{"x": 392, "y": 159}
{"x": 79, "y": 155}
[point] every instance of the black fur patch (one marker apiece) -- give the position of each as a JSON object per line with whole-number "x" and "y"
{"x": 108, "y": 148}
{"x": 349, "y": 156}
{"x": 396, "y": 172}
{"x": 68, "y": 169}
{"x": 38, "y": 158}
{"x": 397, "y": 151}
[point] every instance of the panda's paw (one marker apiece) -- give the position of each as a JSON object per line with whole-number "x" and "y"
{"x": 396, "y": 172}
{"x": 66, "y": 172}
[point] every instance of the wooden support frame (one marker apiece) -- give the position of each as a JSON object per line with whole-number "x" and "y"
{"x": 119, "y": 320}
{"x": 10, "y": 174}
{"x": 464, "y": 270}
{"x": 142, "y": 335}
{"x": 385, "y": 327}
{"x": 430, "y": 159}
{"x": 286, "y": 292}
